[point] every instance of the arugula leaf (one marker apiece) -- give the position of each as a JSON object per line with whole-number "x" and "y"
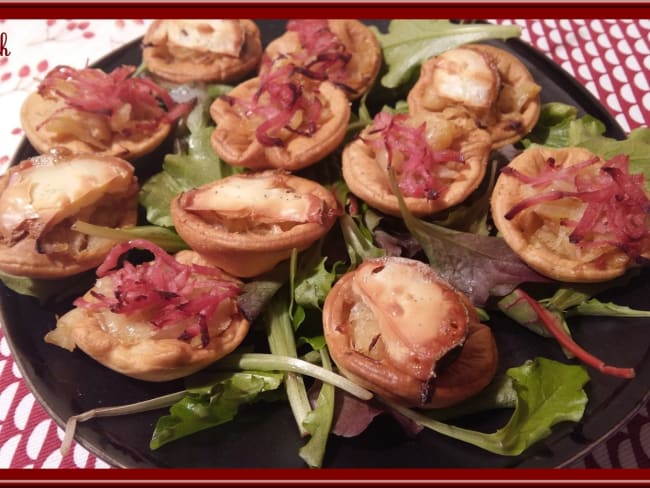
{"x": 595, "y": 307}
{"x": 408, "y": 43}
{"x": 548, "y": 392}
{"x": 213, "y": 404}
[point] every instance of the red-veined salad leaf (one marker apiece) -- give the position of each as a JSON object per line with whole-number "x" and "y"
{"x": 477, "y": 265}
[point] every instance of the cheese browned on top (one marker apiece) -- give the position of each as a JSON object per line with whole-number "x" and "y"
{"x": 265, "y": 199}
{"x": 466, "y": 76}
{"x": 50, "y": 192}
{"x": 418, "y": 318}
{"x": 216, "y": 36}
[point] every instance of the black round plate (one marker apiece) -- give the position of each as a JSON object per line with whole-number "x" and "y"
{"x": 265, "y": 436}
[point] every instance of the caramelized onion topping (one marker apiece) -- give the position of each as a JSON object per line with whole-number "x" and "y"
{"x": 116, "y": 96}
{"x": 281, "y": 99}
{"x": 421, "y": 171}
{"x": 166, "y": 290}
{"x": 617, "y": 207}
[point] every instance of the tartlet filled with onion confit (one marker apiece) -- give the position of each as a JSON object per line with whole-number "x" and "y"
{"x": 202, "y": 50}
{"x": 280, "y": 119}
{"x": 437, "y": 163}
{"x": 571, "y": 215}
{"x": 343, "y": 51}
{"x": 91, "y": 111}
{"x": 395, "y": 327}
{"x": 42, "y": 197}
{"x": 155, "y": 321}
{"x": 248, "y": 223}
{"x": 478, "y": 85}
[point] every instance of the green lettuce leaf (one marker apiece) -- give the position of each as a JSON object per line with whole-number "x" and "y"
{"x": 182, "y": 172}
{"x": 213, "y": 404}
{"x": 408, "y": 43}
{"x": 548, "y": 392}
{"x": 559, "y": 126}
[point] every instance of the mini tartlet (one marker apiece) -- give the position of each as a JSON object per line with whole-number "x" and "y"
{"x": 40, "y": 198}
{"x": 91, "y": 111}
{"x": 155, "y": 321}
{"x": 571, "y": 215}
{"x": 437, "y": 163}
{"x": 279, "y": 120}
{"x": 395, "y": 327}
{"x": 345, "y": 51}
{"x": 213, "y": 51}
{"x": 479, "y": 85}
{"x": 248, "y": 223}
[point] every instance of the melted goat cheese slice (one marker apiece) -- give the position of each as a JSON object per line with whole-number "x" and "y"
{"x": 466, "y": 76}
{"x": 52, "y": 192}
{"x": 264, "y": 199}
{"x": 419, "y": 318}
{"x": 216, "y": 36}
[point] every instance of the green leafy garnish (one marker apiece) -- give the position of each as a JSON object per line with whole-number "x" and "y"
{"x": 559, "y": 126}
{"x": 408, "y": 43}
{"x": 548, "y": 392}
{"x": 213, "y": 404}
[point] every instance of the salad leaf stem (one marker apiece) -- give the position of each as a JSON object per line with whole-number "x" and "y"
{"x": 282, "y": 342}
{"x": 276, "y": 362}
{"x": 551, "y": 322}
{"x": 166, "y": 238}
{"x": 131, "y": 408}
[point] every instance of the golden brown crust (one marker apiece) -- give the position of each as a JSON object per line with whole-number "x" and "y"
{"x": 363, "y": 46}
{"x": 234, "y": 139}
{"x": 467, "y": 374}
{"x": 369, "y": 181}
{"x": 543, "y": 243}
{"x": 248, "y": 253}
{"x": 510, "y": 108}
{"x": 60, "y": 251}
{"x": 199, "y": 66}
{"x": 37, "y": 109}
{"x": 148, "y": 359}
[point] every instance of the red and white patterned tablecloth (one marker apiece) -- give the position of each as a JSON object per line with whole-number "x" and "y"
{"x": 610, "y": 57}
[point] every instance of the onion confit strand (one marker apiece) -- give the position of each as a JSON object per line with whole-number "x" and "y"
{"x": 175, "y": 292}
{"x": 280, "y": 97}
{"x": 617, "y": 207}
{"x": 419, "y": 172}
{"x": 94, "y": 91}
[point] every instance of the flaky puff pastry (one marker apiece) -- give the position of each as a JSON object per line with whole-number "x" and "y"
{"x": 395, "y": 327}
{"x": 479, "y": 85}
{"x": 137, "y": 344}
{"x": 239, "y": 138}
{"x": 539, "y": 203}
{"x": 455, "y": 176}
{"x": 248, "y": 223}
{"x": 357, "y": 48}
{"x": 212, "y": 51}
{"x": 42, "y": 197}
